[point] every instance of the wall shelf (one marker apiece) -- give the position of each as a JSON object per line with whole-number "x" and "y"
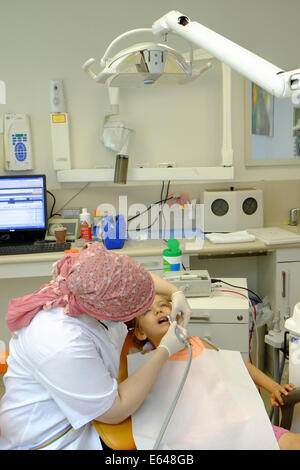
{"x": 224, "y": 172}
{"x": 147, "y": 174}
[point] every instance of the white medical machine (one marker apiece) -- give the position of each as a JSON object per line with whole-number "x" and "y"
{"x": 231, "y": 210}
{"x": 59, "y": 122}
{"x": 17, "y": 142}
{"x": 195, "y": 283}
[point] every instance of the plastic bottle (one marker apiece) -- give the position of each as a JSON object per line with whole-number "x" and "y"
{"x": 85, "y": 225}
{"x": 172, "y": 256}
{"x": 98, "y": 219}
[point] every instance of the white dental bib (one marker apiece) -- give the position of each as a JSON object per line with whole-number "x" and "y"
{"x": 219, "y": 407}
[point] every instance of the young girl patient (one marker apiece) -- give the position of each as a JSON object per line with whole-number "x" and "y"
{"x": 148, "y": 330}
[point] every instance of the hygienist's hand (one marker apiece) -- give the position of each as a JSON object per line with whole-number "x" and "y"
{"x": 170, "y": 340}
{"x": 275, "y": 398}
{"x": 180, "y": 307}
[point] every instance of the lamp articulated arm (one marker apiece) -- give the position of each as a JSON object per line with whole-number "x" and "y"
{"x": 271, "y": 78}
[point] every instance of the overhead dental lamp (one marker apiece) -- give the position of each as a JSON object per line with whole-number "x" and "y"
{"x": 145, "y": 64}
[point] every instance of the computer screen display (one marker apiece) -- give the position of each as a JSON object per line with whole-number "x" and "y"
{"x": 23, "y": 208}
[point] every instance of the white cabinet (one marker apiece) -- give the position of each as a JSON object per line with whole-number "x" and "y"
{"x": 223, "y": 318}
{"x": 279, "y": 278}
{"x": 288, "y": 286}
{"x": 287, "y": 280}
{"x": 234, "y": 337}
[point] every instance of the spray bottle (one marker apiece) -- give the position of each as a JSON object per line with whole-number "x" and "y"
{"x": 85, "y": 225}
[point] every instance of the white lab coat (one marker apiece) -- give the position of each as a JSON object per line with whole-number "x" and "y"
{"x": 61, "y": 375}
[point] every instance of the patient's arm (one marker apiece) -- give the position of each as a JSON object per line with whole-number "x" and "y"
{"x": 262, "y": 380}
{"x": 133, "y": 390}
{"x": 208, "y": 345}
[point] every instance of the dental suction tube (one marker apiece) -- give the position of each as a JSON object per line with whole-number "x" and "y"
{"x": 184, "y": 339}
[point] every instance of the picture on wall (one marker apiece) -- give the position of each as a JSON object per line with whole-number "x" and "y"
{"x": 262, "y": 112}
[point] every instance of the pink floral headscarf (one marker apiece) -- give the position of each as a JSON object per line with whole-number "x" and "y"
{"x": 96, "y": 281}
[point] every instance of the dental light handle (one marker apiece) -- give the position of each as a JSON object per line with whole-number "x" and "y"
{"x": 107, "y": 53}
{"x": 106, "y": 57}
{"x": 180, "y": 334}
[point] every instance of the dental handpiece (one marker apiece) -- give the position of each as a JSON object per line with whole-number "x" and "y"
{"x": 179, "y": 333}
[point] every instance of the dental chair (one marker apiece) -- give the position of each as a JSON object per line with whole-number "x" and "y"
{"x": 120, "y": 436}
{"x": 3, "y": 363}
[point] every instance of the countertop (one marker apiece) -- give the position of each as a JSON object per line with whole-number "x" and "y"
{"x": 143, "y": 248}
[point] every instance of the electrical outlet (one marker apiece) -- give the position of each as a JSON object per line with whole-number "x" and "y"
{"x": 167, "y": 165}
{"x": 142, "y": 165}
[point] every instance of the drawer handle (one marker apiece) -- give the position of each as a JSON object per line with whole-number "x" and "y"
{"x": 201, "y": 317}
{"x": 283, "y": 273}
{"x": 153, "y": 263}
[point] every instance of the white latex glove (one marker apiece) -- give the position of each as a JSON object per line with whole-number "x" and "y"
{"x": 170, "y": 340}
{"x": 180, "y": 307}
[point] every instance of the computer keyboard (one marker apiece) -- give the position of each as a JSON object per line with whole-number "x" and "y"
{"x": 34, "y": 248}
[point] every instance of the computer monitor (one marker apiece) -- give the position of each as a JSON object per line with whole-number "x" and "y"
{"x": 23, "y": 208}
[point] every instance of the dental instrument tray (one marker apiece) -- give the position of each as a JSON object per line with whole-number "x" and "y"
{"x": 196, "y": 283}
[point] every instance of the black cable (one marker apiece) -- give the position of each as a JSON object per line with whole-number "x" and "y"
{"x": 162, "y": 190}
{"x": 238, "y": 287}
{"x": 54, "y": 201}
{"x": 285, "y": 346}
{"x": 163, "y": 215}
{"x": 148, "y": 208}
{"x": 164, "y": 200}
{"x": 73, "y": 197}
{"x": 168, "y": 187}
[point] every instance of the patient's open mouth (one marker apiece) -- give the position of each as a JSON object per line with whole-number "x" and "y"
{"x": 163, "y": 320}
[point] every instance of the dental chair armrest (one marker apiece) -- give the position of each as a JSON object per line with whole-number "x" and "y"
{"x": 287, "y": 409}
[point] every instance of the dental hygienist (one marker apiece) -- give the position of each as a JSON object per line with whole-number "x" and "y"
{"x": 64, "y": 356}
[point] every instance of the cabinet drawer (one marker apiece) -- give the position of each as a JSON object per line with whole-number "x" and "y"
{"x": 288, "y": 254}
{"x": 232, "y": 337}
{"x": 219, "y": 316}
{"x": 152, "y": 263}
